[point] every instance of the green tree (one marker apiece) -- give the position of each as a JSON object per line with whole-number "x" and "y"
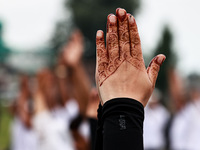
{"x": 4, "y": 51}
{"x": 165, "y": 47}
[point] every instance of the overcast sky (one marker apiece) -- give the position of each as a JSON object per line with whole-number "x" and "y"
{"x": 30, "y": 23}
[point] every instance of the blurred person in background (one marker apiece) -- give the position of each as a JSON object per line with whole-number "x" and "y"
{"x": 156, "y": 117}
{"x": 75, "y": 89}
{"x": 193, "y": 113}
{"x": 50, "y": 128}
{"x": 185, "y": 127}
{"x": 22, "y": 134}
{"x": 178, "y": 121}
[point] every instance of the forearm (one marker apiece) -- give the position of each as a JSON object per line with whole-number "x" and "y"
{"x": 81, "y": 87}
{"x": 120, "y": 125}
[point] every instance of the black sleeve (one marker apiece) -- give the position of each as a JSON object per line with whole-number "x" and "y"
{"x": 99, "y": 136}
{"x": 93, "y": 126}
{"x": 120, "y": 125}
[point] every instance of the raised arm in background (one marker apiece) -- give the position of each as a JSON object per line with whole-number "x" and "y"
{"x": 80, "y": 83}
{"x": 24, "y": 109}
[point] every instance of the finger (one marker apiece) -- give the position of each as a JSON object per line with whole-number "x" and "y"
{"x": 102, "y": 56}
{"x": 135, "y": 44}
{"x": 154, "y": 67}
{"x": 112, "y": 38}
{"x": 78, "y": 36}
{"x": 123, "y": 31}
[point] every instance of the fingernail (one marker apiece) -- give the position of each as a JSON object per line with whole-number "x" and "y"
{"x": 131, "y": 19}
{"x": 121, "y": 14}
{"x": 99, "y": 34}
{"x": 109, "y": 16}
{"x": 128, "y": 14}
{"x": 108, "y": 22}
{"x": 112, "y": 19}
{"x": 160, "y": 60}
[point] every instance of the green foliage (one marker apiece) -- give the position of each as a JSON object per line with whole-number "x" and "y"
{"x": 5, "y": 120}
{"x": 4, "y": 51}
{"x": 165, "y": 47}
{"x": 1, "y": 27}
{"x": 61, "y": 34}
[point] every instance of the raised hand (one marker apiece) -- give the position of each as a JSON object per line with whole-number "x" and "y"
{"x": 73, "y": 50}
{"x": 120, "y": 70}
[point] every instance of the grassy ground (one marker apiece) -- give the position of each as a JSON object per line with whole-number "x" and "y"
{"x": 5, "y": 120}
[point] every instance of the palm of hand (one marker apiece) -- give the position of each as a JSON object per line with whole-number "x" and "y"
{"x": 74, "y": 49}
{"x": 120, "y": 66}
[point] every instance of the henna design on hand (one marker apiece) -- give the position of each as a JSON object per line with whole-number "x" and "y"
{"x": 122, "y": 44}
{"x": 101, "y": 57}
{"x": 121, "y": 61}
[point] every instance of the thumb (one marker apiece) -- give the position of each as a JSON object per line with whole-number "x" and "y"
{"x": 154, "y": 67}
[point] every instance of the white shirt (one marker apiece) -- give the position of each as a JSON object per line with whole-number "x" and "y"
{"x": 193, "y": 126}
{"x": 22, "y": 138}
{"x": 154, "y": 123}
{"x": 178, "y": 130}
{"x": 185, "y": 131}
{"x": 53, "y": 132}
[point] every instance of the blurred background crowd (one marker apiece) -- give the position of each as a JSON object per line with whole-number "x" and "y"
{"x": 48, "y": 98}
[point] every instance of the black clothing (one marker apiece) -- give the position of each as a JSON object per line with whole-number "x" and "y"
{"x": 93, "y": 127}
{"x": 120, "y": 125}
{"x": 76, "y": 122}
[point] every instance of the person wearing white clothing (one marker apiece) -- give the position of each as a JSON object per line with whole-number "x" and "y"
{"x": 22, "y": 138}
{"x": 51, "y": 121}
{"x": 156, "y": 117}
{"x": 52, "y": 131}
